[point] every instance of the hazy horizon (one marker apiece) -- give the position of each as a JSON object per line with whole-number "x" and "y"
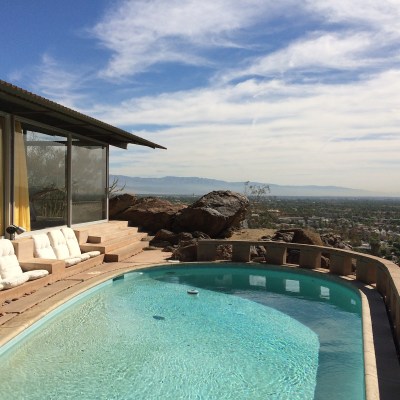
{"x": 170, "y": 185}
{"x": 297, "y": 93}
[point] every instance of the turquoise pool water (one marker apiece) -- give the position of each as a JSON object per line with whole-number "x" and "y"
{"x": 248, "y": 334}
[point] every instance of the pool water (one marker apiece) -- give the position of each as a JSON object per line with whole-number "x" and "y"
{"x": 248, "y": 334}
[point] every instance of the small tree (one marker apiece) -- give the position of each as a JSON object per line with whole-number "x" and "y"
{"x": 256, "y": 195}
{"x": 114, "y": 189}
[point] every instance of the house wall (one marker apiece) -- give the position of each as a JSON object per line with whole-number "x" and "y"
{"x": 55, "y": 177}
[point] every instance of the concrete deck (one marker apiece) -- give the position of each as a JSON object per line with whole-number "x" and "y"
{"x": 382, "y": 368}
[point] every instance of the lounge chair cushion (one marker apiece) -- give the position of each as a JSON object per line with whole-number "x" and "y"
{"x": 73, "y": 245}
{"x": 43, "y": 248}
{"x": 59, "y": 244}
{"x": 14, "y": 281}
{"x": 9, "y": 265}
{"x": 11, "y": 274}
{"x": 36, "y": 274}
{"x": 93, "y": 253}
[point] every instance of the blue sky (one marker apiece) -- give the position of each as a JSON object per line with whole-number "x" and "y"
{"x": 286, "y": 92}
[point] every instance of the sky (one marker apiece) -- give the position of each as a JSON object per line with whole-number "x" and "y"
{"x": 290, "y": 92}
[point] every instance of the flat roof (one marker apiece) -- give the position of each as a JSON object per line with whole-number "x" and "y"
{"x": 22, "y": 103}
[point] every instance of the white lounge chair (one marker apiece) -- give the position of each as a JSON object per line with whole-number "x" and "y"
{"x": 11, "y": 273}
{"x": 58, "y": 250}
{"x": 73, "y": 245}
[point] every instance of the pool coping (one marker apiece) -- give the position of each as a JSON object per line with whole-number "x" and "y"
{"x": 381, "y": 365}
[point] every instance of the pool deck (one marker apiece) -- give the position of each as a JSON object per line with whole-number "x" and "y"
{"x": 381, "y": 360}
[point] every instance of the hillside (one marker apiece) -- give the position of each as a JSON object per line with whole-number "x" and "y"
{"x": 173, "y": 185}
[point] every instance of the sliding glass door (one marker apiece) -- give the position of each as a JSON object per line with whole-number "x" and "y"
{"x": 59, "y": 179}
{"x": 40, "y": 179}
{"x": 89, "y": 181}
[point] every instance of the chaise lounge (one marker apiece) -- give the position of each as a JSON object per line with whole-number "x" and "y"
{"x": 15, "y": 275}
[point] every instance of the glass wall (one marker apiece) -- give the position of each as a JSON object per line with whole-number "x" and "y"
{"x": 59, "y": 179}
{"x": 40, "y": 179}
{"x": 89, "y": 181}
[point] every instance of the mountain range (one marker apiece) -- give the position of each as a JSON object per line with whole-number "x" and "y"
{"x": 174, "y": 185}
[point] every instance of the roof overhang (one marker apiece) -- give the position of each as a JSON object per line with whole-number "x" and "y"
{"x": 24, "y": 104}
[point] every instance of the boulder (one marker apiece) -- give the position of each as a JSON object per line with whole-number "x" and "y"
{"x": 163, "y": 236}
{"x": 298, "y": 235}
{"x": 150, "y": 214}
{"x": 120, "y": 203}
{"x": 216, "y": 214}
{"x": 280, "y": 236}
{"x": 187, "y": 251}
{"x": 166, "y": 238}
{"x": 336, "y": 241}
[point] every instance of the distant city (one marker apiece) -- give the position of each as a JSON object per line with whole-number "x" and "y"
{"x": 368, "y": 222}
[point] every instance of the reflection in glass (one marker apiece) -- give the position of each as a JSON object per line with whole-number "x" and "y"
{"x": 89, "y": 181}
{"x": 46, "y": 172}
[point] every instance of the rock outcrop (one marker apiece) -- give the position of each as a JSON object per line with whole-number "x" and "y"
{"x": 148, "y": 213}
{"x": 298, "y": 235}
{"x": 216, "y": 214}
{"x": 335, "y": 241}
{"x": 120, "y": 203}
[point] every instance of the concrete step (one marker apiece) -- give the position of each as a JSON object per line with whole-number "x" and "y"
{"x": 115, "y": 243}
{"x": 82, "y": 232}
{"x": 101, "y": 237}
{"x": 125, "y": 252}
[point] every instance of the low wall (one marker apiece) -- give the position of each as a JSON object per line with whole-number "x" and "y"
{"x": 378, "y": 272}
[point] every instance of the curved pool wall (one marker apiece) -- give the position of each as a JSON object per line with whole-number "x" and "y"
{"x": 310, "y": 326}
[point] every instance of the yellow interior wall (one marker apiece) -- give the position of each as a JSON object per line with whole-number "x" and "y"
{"x": 21, "y": 193}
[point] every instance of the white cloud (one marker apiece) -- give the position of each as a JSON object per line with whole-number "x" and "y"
{"x": 272, "y": 132}
{"x": 326, "y": 51}
{"x": 58, "y": 84}
{"x": 142, "y": 33}
{"x": 381, "y": 15}
{"x": 270, "y": 129}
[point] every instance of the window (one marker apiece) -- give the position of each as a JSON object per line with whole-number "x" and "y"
{"x": 40, "y": 194}
{"x": 43, "y": 178}
{"x": 89, "y": 181}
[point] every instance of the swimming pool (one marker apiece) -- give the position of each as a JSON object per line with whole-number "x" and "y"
{"x": 249, "y": 334}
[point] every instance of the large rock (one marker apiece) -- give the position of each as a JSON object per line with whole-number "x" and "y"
{"x": 216, "y": 214}
{"x": 187, "y": 251}
{"x": 171, "y": 238}
{"x": 150, "y": 214}
{"x": 298, "y": 235}
{"x": 336, "y": 241}
{"x": 120, "y": 203}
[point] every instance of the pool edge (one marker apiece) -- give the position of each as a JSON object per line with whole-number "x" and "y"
{"x": 41, "y": 310}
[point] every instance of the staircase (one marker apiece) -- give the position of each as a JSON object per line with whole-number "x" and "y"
{"x": 114, "y": 239}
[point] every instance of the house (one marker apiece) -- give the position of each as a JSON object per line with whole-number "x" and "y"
{"x": 54, "y": 162}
